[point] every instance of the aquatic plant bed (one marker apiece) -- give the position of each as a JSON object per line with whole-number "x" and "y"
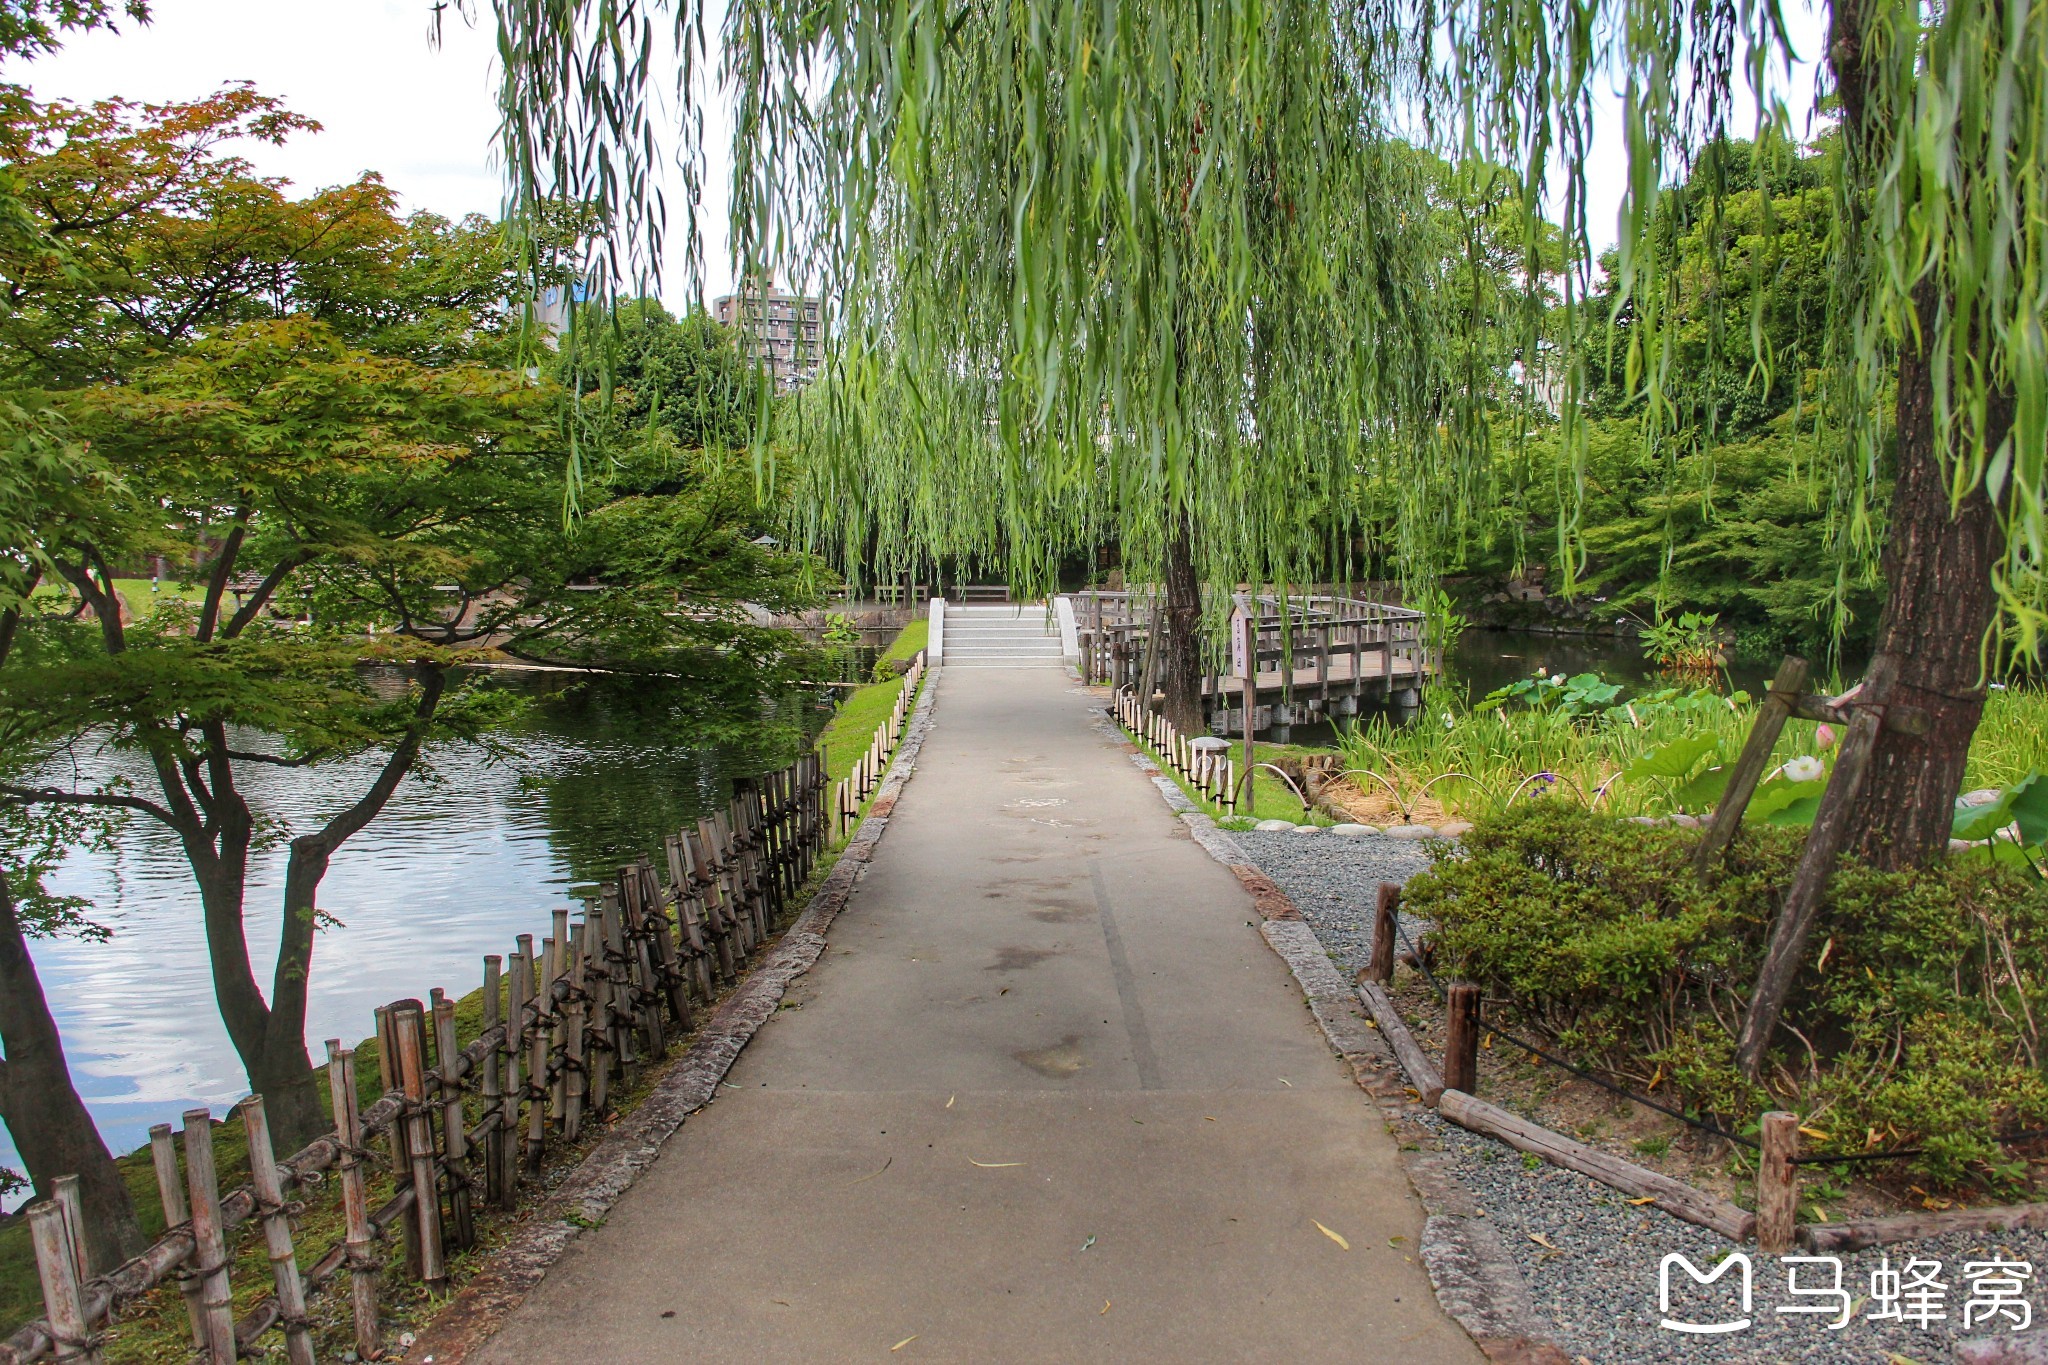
{"x": 1589, "y": 1254}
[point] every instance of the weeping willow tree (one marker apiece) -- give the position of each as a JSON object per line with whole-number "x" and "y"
{"x": 1103, "y": 282}
{"x": 1157, "y": 269}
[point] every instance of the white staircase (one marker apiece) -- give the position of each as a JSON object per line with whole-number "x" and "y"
{"x": 1014, "y": 635}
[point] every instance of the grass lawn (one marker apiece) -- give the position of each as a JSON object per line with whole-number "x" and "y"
{"x": 846, "y": 735}
{"x": 1273, "y": 799}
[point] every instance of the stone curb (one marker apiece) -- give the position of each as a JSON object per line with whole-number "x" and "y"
{"x": 586, "y": 1196}
{"x": 1476, "y": 1281}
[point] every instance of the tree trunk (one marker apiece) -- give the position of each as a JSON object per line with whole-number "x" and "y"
{"x": 1938, "y": 554}
{"x": 41, "y": 1108}
{"x": 1938, "y": 559}
{"x": 1180, "y": 658}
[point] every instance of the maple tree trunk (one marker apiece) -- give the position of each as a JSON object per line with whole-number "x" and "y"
{"x": 41, "y": 1107}
{"x": 1180, "y": 650}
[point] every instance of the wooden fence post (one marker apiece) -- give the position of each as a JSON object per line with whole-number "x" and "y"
{"x": 518, "y": 994}
{"x": 1385, "y": 930}
{"x": 63, "y": 1303}
{"x": 490, "y": 1083}
{"x": 407, "y": 1018}
{"x": 454, "y": 1124}
{"x": 1777, "y": 1184}
{"x": 170, "y": 1188}
{"x": 689, "y": 916}
{"x": 387, "y": 1081}
{"x": 640, "y": 965}
{"x": 558, "y": 951}
{"x": 597, "y": 1050}
{"x": 277, "y": 1234}
{"x": 359, "y": 1250}
{"x": 537, "y": 1058}
{"x": 67, "y": 1194}
{"x": 1461, "y": 1038}
{"x": 668, "y": 971}
{"x": 209, "y": 1239}
{"x": 575, "y": 1079}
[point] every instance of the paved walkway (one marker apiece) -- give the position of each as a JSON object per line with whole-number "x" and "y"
{"x": 1047, "y": 1097}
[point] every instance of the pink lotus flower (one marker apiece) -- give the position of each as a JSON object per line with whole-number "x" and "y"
{"x": 1824, "y": 737}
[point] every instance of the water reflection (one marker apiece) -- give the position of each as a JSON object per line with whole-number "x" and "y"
{"x": 460, "y": 861}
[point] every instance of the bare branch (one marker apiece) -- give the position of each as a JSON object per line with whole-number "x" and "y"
{"x": 57, "y": 796}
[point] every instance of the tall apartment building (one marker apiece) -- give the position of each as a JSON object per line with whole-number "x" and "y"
{"x": 784, "y": 331}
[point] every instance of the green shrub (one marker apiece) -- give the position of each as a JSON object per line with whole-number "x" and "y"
{"x": 1913, "y": 1023}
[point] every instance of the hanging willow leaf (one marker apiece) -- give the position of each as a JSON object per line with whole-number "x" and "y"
{"x": 1126, "y": 268}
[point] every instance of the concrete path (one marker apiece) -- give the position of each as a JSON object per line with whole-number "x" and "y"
{"x": 1047, "y": 1097}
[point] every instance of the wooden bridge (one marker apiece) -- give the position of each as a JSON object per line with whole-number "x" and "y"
{"x": 1316, "y": 657}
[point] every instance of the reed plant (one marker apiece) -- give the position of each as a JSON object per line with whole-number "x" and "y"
{"x": 1474, "y": 761}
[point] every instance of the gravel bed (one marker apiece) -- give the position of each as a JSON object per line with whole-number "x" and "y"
{"x": 1597, "y": 1279}
{"x": 1333, "y": 879}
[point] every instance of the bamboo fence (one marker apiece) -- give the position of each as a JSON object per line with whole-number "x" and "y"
{"x": 458, "y": 1127}
{"x": 1203, "y": 768}
{"x": 853, "y": 790}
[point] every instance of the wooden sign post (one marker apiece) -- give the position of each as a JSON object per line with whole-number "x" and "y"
{"x": 1244, "y": 665}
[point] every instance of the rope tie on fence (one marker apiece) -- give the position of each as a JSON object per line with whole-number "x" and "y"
{"x": 88, "y": 1342}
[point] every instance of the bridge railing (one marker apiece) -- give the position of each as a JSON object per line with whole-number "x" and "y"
{"x": 1317, "y": 632}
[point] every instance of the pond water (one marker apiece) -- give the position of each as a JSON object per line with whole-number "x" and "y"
{"x": 1483, "y": 660}
{"x": 460, "y": 861}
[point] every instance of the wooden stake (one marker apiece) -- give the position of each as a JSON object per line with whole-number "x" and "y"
{"x": 1461, "y": 1037}
{"x": 537, "y": 1061}
{"x": 1810, "y": 878}
{"x": 170, "y": 1188}
{"x": 689, "y": 915}
{"x": 277, "y": 1234}
{"x": 558, "y": 950}
{"x": 387, "y": 1079}
{"x": 1778, "y": 704}
{"x": 209, "y": 1240}
{"x": 407, "y": 1022}
{"x": 490, "y": 1084}
{"x": 575, "y": 1081}
{"x": 69, "y": 1197}
{"x": 1777, "y": 1184}
{"x": 598, "y": 1051}
{"x": 518, "y": 993}
{"x": 668, "y": 967}
{"x": 1385, "y": 933}
{"x": 63, "y": 1304}
{"x": 360, "y": 1248}
{"x": 454, "y": 1125}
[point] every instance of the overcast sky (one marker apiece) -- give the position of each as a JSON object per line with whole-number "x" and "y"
{"x": 424, "y": 117}
{"x": 388, "y": 100}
